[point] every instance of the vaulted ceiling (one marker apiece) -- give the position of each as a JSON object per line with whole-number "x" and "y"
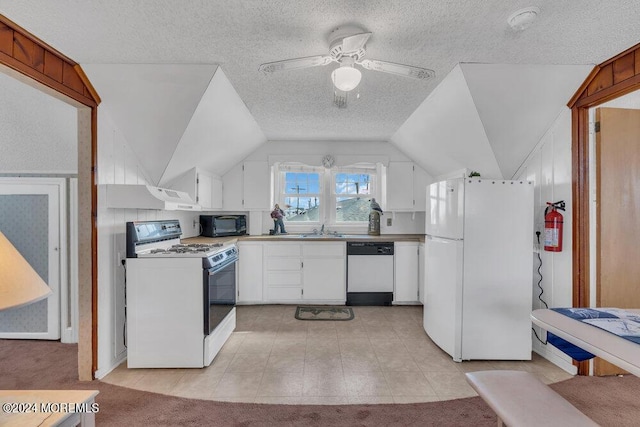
{"x": 239, "y": 35}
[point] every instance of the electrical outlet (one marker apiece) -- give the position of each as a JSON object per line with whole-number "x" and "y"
{"x": 195, "y": 223}
{"x": 389, "y": 222}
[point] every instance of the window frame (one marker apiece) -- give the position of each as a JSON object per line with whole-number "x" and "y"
{"x": 327, "y": 198}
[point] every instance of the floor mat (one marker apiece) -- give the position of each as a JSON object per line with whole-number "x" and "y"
{"x": 324, "y": 313}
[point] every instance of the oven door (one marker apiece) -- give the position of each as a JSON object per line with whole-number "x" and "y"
{"x": 219, "y": 294}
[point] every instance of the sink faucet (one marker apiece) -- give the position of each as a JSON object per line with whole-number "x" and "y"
{"x": 322, "y": 229}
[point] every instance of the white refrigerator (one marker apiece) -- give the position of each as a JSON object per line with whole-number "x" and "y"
{"x": 478, "y": 268}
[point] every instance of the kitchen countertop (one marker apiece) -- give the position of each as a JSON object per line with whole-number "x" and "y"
{"x": 295, "y": 237}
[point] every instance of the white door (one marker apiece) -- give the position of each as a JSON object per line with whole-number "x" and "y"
{"x": 256, "y": 182}
{"x": 400, "y": 186}
{"x": 405, "y": 260}
{"x": 204, "y": 184}
{"x": 250, "y": 272}
{"x": 445, "y": 209}
{"x": 323, "y": 279}
{"x": 31, "y": 215}
{"x": 443, "y": 290}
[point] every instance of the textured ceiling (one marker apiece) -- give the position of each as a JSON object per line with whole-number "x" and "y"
{"x": 240, "y": 35}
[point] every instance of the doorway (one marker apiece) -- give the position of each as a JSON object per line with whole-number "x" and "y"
{"x": 610, "y": 80}
{"x": 617, "y": 209}
{"x": 33, "y": 218}
{"x": 64, "y": 80}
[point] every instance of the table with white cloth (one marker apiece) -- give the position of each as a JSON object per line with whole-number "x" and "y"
{"x": 615, "y": 349}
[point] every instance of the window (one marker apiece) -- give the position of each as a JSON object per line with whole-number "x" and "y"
{"x": 312, "y": 196}
{"x": 301, "y": 196}
{"x": 353, "y": 192}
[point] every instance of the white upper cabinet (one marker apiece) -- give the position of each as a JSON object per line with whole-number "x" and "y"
{"x": 216, "y": 193}
{"x": 406, "y": 186}
{"x": 232, "y": 189}
{"x": 256, "y": 185}
{"x": 247, "y": 186}
{"x": 203, "y": 187}
{"x": 421, "y": 180}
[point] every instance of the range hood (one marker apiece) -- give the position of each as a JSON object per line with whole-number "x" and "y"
{"x": 128, "y": 196}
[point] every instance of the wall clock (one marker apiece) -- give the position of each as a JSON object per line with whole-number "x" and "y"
{"x": 328, "y": 161}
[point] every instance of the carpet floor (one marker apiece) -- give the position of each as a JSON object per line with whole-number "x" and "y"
{"x": 610, "y": 401}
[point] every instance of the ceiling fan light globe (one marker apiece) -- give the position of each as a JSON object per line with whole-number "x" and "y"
{"x": 346, "y": 78}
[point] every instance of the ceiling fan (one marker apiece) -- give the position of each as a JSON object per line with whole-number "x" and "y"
{"x": 347, "y": 47}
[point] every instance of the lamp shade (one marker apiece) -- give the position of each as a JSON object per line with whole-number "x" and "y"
{"x": 346, "y": 78}
{"x": 20, "y": 284}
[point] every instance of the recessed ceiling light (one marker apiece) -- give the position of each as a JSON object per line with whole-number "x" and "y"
{"x": 523, "y": 18}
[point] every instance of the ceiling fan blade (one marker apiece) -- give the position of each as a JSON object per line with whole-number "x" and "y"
{"x": 355, "y": 42}
{"x": 398, "y": 69}
{"x": 294, "y": 64}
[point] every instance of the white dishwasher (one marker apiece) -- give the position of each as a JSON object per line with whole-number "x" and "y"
{"x": 369, "y": 273}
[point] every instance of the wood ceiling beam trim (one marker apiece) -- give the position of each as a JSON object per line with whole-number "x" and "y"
{"x": 32, "y": 57}
{"x": 87, "y": 84}
{"x": 15, "y": 27}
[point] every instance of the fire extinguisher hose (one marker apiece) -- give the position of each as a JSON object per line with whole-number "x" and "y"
{"x": 555, "y": 205}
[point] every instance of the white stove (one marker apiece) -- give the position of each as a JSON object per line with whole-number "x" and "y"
{"x": 161, "y": 239}
{"x": 199, "y": 250}
{"x": 180, "y": 296}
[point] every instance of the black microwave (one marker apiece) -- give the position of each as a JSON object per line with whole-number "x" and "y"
{"x": 223, "y": 225}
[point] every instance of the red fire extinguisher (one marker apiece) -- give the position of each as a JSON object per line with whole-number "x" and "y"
{"x": 553, "y": 221}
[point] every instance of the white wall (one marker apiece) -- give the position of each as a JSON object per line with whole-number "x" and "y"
{"x": 38, "y": 133}
{"x": 549, "y": 166}
{"x": 403, "y": 223}
{"x": 118, "y": 165}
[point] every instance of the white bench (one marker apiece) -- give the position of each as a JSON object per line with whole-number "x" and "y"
{"x": 521, "y": 400}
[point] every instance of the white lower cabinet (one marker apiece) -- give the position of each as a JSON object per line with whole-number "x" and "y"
{"x": 249, "y": 272}
{"x": 315, "y": 272}
{"x": 406, "y": 273}
{"x": 324, "y": 272}
{"x": 421, "y": 258}
{"x": 282, "y": 272}
{"x": 304, "y": 272}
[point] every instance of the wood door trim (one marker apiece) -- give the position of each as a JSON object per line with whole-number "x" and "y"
{"x": 26, "y": 54}
{"x": 611, "y": 79}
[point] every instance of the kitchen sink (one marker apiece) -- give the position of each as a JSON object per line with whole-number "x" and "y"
{"x": 323, "y": 236}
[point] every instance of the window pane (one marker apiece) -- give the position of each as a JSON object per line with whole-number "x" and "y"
{"x": 302, "y": 183}
{"x": 314, "y": 187}
{"x": 353, "y": 183}
{"x": 296, "y": 188}
{"x": 364, "y": 185}
{"x": 301, "y": 209}
{"x": 350, "y": 209}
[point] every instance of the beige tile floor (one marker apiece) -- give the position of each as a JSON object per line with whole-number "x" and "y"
{"x": 383, "y": 355}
